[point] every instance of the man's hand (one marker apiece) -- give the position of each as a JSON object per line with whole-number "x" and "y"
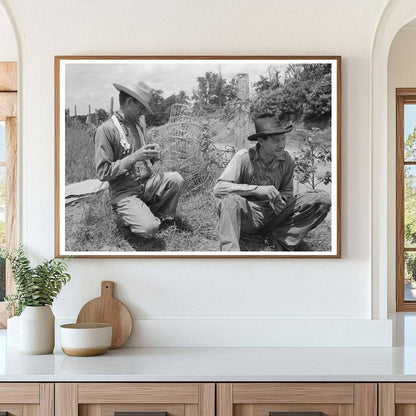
{"x": 271, "y": 193}
{"x": 157, "y": 148}
{"x": 147, "y": 152}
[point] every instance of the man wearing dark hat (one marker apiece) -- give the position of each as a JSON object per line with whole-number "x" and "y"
{"x": 122, "y": 157}
{"x": 256, "y": 193}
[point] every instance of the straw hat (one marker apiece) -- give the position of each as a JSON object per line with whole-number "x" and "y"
{"x": 138, "y": 90}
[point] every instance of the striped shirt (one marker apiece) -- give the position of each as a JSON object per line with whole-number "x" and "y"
{"x": 246, "y": 171}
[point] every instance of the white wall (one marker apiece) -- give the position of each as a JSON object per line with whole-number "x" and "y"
{"x": 8, "y": 47}
{"x": 179, "y": 300}
{"x": 401, "y": 74}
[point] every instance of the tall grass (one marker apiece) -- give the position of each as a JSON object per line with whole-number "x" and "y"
{"x": 92, "y": 225}
{"x": 79, "y": 154}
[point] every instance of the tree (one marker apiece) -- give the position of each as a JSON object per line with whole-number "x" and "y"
{"x": 101, "y": 115}
{"x": 318, "y": 100}
{"x": 212, "y": 92}
{"x": 157, "y": 104}
{"x": 162, "y": 106}
{"x": 262, "y": 85}
{"x": 181, "y": 98}
{"x": 266, "y": 83}
{"x": 286, "y": 102}
{"x": 315, "y": 152}
{"x": 410, "y": 190}
{"x": 293, "y": 71}
{"x": 409, "y": 206}
{"x": 410, "y": 266}
{"x": 307, "y": 72}
{"x": 410, "y": 146}
{"x": 305, "y": 94}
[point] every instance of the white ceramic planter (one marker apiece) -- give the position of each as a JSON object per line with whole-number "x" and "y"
{"x": 37, "y": 330}
{"x": 13, "y": 331}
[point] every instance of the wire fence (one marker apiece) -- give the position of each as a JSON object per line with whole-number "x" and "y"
{"x": 186, "y": 146}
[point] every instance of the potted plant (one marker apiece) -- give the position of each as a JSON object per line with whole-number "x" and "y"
{"x": 36, "y": 289}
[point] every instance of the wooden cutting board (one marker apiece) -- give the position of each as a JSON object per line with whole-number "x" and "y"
{"x": 107, "y": 309}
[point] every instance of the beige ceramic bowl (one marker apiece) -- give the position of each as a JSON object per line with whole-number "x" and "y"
{"x": 83, "y": 340}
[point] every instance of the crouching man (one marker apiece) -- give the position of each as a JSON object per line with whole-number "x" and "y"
{"x": 256, "y": 193}
{"x": 122, "y": 157}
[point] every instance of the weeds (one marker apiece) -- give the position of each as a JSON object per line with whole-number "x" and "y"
{"x": 79, "y": 154}
{"x": 92, "y": 225}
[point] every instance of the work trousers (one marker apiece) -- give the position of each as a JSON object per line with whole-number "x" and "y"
{"x": 158, "y": 201}
{"x": 285, "y": 229}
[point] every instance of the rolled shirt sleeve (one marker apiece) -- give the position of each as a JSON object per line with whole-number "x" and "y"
{"x": 239, "y": 176}
{"x": 234, "y": 175}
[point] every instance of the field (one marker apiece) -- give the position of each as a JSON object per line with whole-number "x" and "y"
{"x": 92, "y": 225}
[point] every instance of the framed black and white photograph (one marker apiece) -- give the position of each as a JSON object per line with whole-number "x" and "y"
{"x": 196, "y": 156}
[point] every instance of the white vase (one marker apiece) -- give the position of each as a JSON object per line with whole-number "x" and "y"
{"x": 13, "y": 331}
{"x": 37, "y": 330}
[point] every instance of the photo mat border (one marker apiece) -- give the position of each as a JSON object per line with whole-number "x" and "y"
{"x": 59, "y": 248}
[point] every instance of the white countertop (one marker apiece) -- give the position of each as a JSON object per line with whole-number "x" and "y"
{"x": 222, "y": 364}
{"x": 213, "y": 364}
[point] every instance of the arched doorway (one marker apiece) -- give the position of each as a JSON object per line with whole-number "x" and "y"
{"x": 396, "y": 14}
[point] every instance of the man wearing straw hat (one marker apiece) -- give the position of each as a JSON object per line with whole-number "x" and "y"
{"x": 122, "y": 157}
{"x": 256, "y": 193}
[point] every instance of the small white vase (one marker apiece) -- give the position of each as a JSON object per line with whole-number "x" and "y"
{"x": 37, "y": 330}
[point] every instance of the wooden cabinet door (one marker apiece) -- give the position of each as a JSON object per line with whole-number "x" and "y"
{"x": 297, "y": 399}
{"x": 153, "y": 399}
{"x": 397, "y": 399}
{"x": 27, "y": 399}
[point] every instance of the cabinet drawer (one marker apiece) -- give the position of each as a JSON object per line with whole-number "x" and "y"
{"x": 21, "y": 399}
{"x": 106, "y": 399}
{"x": 397, "y": 399}
{"x": 138, "y": 393}
{"x": 19, "y": 393}
{"x": 296, "y": 399}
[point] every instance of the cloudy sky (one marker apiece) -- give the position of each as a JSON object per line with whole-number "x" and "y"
{"x": 91, "y": 82}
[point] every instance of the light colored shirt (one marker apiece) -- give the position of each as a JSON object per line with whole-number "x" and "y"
{"x": 111, "y": 149}
{"x": 246, "y": 171}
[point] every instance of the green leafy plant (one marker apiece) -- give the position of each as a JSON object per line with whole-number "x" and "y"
{"x": 35, "y": 286}
{"x": 315, "y": 152}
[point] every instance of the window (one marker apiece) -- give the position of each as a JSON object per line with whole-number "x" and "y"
{"x": 2, "y": 206}
{"x": 8, "y": 165}
{"x": 406, "y": 199}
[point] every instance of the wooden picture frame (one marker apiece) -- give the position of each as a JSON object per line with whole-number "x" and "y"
{"x": 204, "y": 110}
{"x": 404, "y": 96}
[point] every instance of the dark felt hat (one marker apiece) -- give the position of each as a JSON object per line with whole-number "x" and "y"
{"x": 267, "y": 124}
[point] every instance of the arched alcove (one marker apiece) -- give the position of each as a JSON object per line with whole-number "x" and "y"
{"x": 8, "y": 43}
{"x": 401, "y": 73}
{"x": 396, "y": 14}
